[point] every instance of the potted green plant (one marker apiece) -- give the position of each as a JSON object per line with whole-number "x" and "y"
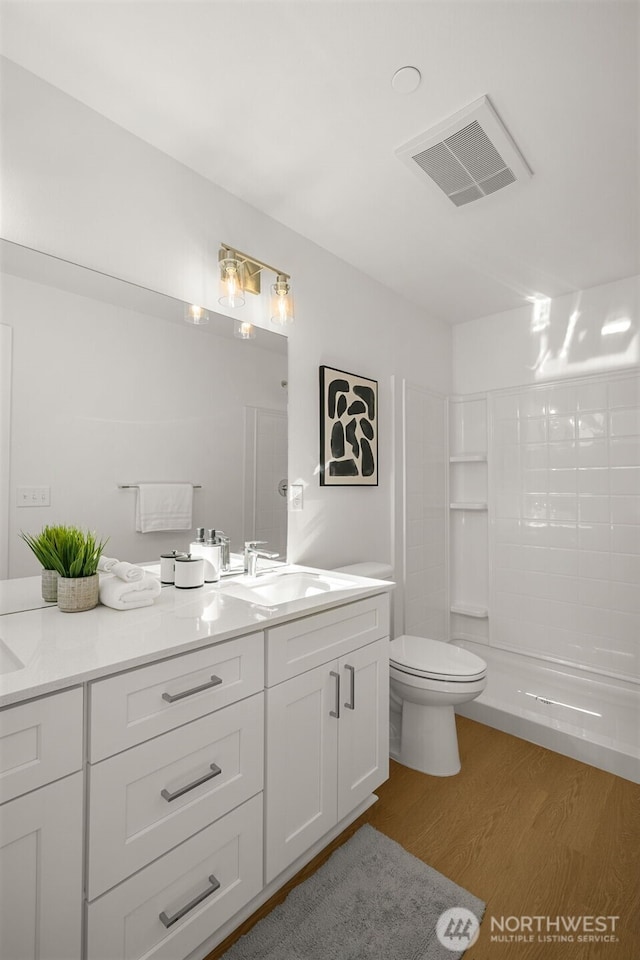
{"x": 74, "y": 555}
{"x": 42, "y": 544}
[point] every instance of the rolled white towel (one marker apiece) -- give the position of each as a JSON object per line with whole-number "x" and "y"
{"x": 121, "y": 595}
{"x": 128, "y": 572}
{"x": 106, "y": 564}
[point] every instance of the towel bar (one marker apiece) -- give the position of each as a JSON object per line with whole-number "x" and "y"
{"x": 129, "y": 486}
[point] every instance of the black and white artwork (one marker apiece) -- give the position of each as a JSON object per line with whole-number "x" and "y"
{"x": 348, "y": 429}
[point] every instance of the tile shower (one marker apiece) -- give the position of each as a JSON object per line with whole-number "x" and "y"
{"x": 543, "y": 539}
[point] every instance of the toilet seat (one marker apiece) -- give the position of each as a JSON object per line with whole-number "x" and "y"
{"x": 435, "y": 660}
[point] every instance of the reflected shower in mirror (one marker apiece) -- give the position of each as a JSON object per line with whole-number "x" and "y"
{"x": 104, "y": 384}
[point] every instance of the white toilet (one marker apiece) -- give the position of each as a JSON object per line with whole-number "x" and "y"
{"x": 428, "y": 678}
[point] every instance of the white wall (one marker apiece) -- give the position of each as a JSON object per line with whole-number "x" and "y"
{"x": 80, "y": 187}
{"x": 549, "y": 340}
{"x": 103, "y": 395}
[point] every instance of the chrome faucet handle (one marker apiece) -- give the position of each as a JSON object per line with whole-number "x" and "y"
{"x": 251, "y": 554}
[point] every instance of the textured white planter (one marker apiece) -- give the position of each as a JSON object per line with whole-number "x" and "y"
{"x": 50, "y": 585}
{"x": 77, "y": 593}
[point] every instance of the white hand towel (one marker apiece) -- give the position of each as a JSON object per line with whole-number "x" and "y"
{"x": 128, "y": 572}
{"x": 164, "y": 506}
{"x": 120, "y": 595}
{"x": 106, "y": 564}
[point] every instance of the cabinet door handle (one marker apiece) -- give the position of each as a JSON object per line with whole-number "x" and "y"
{"x": 166, "y": 795}
{"x": 213, "y": 886}
{"x": 172, "y": 697}
{"x": 350, "y": 704}
{"x": 336, "y": 713}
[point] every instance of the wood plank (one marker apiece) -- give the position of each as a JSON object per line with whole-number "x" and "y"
{"x": 531, "y": 832}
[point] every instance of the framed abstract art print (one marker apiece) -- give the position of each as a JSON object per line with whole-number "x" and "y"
{"x": 348, "y": 429}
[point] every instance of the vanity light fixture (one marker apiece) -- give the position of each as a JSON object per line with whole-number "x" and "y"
{"x": 240, "y": 274}
{"x": 195, "y": 314}
{"x": 244, "y": 330}
{"x": 281, "y": 301}
{"x": 232, "y": 279}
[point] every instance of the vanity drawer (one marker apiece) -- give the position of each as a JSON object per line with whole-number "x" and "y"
{"x": 303, "y": 644}
{"x": 148, "y": 799}
{"x": 40, "y": 741}
{"x": 142, "y": 703}
{"x": 127, "y": 922}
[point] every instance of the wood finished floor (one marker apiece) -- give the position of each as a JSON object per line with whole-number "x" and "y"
{"x": 529, "y": 831}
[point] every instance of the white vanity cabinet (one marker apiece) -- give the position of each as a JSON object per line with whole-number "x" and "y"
{"x": 327, "y": 724}
{"x": 41, "y": 829}
{"x": 174, "y": 821}
{"x": 151, "y": 801}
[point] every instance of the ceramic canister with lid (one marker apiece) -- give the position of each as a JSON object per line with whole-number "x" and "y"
{"x": 189, "y": 572}
{"x": 167, "y": 566}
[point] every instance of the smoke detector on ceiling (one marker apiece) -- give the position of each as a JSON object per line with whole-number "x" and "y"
{"x": 468, "y": 156}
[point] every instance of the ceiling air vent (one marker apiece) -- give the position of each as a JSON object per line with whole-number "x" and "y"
{"x": 468, "y": 156}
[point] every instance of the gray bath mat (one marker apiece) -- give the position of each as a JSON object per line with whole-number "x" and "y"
{"x": 371, "y": 900}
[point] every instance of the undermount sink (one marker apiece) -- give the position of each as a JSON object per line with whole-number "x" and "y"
{"x": 286, "y": 587}
{"x": 8, "y": 660}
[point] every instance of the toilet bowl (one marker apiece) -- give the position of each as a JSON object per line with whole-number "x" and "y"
{"x": 428, "y": 679}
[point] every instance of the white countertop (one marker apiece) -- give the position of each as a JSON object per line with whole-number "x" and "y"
{"x": 24, "y": 593}
{"x": 43, "y": 650}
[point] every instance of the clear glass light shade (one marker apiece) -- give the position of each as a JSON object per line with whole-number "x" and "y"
{"x": 231, "y": 282}
{"x": 195, "y": 314}
{"x": 244, "y": 330}
{"x": 282, "y": 311}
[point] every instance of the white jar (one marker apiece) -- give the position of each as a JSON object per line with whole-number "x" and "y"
{"x": 189, "y": 572}
{"x": 168, "y": 565}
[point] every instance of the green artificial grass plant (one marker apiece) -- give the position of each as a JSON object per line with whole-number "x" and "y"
{"x": 68, "y": 550}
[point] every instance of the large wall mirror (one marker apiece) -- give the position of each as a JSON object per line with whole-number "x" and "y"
{"x": 103, "y": 383}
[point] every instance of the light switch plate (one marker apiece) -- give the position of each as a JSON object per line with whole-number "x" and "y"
{"x": 296, "y": 496}
{"x": 33, "y": 496}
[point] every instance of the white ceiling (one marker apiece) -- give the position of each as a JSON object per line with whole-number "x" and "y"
{"x": 289, "y": 105}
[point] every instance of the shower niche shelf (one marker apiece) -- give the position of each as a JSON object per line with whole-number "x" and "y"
{"x": 468, "y": 523}
{"x": 468, "y": 505}
{"x": 467, "y": 610}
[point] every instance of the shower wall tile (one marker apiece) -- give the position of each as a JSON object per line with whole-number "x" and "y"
{"x": 565, "y": 514}
{"x": 592, "y": 395}
{"x": 625, "y": 568}
{"x": 625, "y": 423}
{"x": 625, "y": 480}
{"x": 625, "y": 509}
{"x": 594, "y": 509}
{"x": 593, "y": 480}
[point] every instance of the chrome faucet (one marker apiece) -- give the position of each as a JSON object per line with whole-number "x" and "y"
{"x": 251, "y": 554}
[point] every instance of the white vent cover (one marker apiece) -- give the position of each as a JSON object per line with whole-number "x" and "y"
{"x": 468, "y": 156}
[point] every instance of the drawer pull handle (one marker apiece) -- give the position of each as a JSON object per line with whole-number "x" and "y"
{"x": 336, "y": 713}
{"x": 166, "y": 795}
{"x": 172, "y": 697}
{"x": 169, "y": 921}
{"x": 350, "y": 704}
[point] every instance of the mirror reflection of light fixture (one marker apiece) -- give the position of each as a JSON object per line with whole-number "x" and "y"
{"x": 195, "y": 314}
{"x": 240, "y": 274}
{"x": 244, "y": 330}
